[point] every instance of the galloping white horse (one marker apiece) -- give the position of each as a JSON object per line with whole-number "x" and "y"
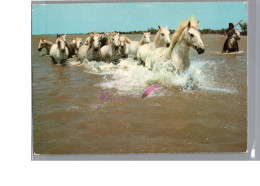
{"x": 161, "y": 39}
{"x": 45, "y": 44}
{"x": 91, "y": 52}
{"x": 59, "y": 52}
{"x": 134, "y": 45}
{"x": 110, "y": 53}
{"x": 187, "y": 35}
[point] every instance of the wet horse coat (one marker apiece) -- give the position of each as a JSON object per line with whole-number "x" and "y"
{"x": 59, "y": 51}
{"x": 134, "y": 45}
{"x": 91, "y": 52}
{"x": 161, "y": 39}
{"x": 111, "y": 53}
{"x": 185, "y": 37}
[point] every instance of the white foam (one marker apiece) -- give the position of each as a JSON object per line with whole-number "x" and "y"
{"x": 128, "y": 76}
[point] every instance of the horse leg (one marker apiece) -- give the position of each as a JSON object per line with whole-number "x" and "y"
{"x": 225, "y": 46}
{"x": 63, "y": 62}
{"x": 47, "y": 51}
{"x": 237, "y": 47}
{"x": 53, "y": 60}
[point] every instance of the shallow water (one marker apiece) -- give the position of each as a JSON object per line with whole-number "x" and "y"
{"x": 201, "y": 110}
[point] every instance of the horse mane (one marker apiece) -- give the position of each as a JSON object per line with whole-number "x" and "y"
{"x": 156, "y": 37}
{"x": 179, "y": 30}
{"x": 128, "y": 40}
{"x": 141, "y": 41}
{"x": 90, "y": 41}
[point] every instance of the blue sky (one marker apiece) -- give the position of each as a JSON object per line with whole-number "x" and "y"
{"x": 108, "y": 17}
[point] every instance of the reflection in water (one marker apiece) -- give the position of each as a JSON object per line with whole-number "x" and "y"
{"x": 201, "y": 110}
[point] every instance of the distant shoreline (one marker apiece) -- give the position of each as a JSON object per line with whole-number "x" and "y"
{"x": 153, "y": 31}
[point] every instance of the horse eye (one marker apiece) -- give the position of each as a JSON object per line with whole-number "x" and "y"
{"x": 162, "y": 34}
{"x": 191, "y": 35}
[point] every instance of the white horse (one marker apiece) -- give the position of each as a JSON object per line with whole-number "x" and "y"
{"x": 161, "y": 39}
{"x": 124, "y": 46}
{"x": 45, "y": 44}
{"x": 186, "y": 36}
{"x": 110, "y": 53}
{"x": 134, "y": 45}
{"x": 59, "y": 51}
{"x": 78, "y": 42}
{"x": 91, "y": 52}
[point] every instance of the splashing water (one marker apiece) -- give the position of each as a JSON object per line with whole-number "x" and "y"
{"x": 128, "y": 76}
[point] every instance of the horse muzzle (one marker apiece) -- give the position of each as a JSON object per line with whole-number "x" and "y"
{"x": 167, "y": 44}
{"x": 200, "y": 50}
{"x": 63, "y": 50}
{"x": 39, "y": 49}
{"x": 116, "y": 47}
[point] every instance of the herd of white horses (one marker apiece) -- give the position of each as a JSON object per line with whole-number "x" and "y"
{"x": 111, "y": 47}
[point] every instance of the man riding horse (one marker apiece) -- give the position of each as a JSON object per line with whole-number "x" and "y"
{"x": 229, "y": 33}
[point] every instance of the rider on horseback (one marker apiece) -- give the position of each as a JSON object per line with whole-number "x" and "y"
{"x": 229, "y": 33}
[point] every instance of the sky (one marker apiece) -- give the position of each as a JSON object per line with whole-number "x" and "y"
{"x": 108, "y": 17}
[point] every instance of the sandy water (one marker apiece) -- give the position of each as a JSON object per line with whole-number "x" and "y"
{"x": 201, "y": 110}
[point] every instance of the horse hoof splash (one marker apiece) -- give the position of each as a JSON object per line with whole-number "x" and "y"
{"x": 149, "y": 90}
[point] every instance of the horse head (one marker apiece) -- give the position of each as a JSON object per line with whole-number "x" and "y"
{"x": 192, "y": 36}
{"x": 89, "y": 39}
{"x": 236, "y": 35}
{"x": 147, "y": 37}
{"x": 122, "y": 41}
{"x": 96, "y": 41}
{"x": 61, "y": 41}
{"x": 41, "y": 45}
{"x": 164, "y": 34}
{"x": 116, "y": 40}
{"x": 78, "y": 42}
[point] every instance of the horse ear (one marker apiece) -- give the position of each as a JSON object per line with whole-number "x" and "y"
{"x": 42, "y": 40}
{"x": 189, "y": 24}
{"x": 198, "y": 21}
{"x": 159, "y": 27}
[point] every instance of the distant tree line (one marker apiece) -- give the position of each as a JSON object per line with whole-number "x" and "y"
{"x": 243, "y": 27}
{"x": 152, "y": 30}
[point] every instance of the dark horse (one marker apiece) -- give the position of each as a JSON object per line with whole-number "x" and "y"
{"x": 231, "y": 44}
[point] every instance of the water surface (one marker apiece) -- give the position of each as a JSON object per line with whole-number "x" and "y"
{"x": 201, "y": 110}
